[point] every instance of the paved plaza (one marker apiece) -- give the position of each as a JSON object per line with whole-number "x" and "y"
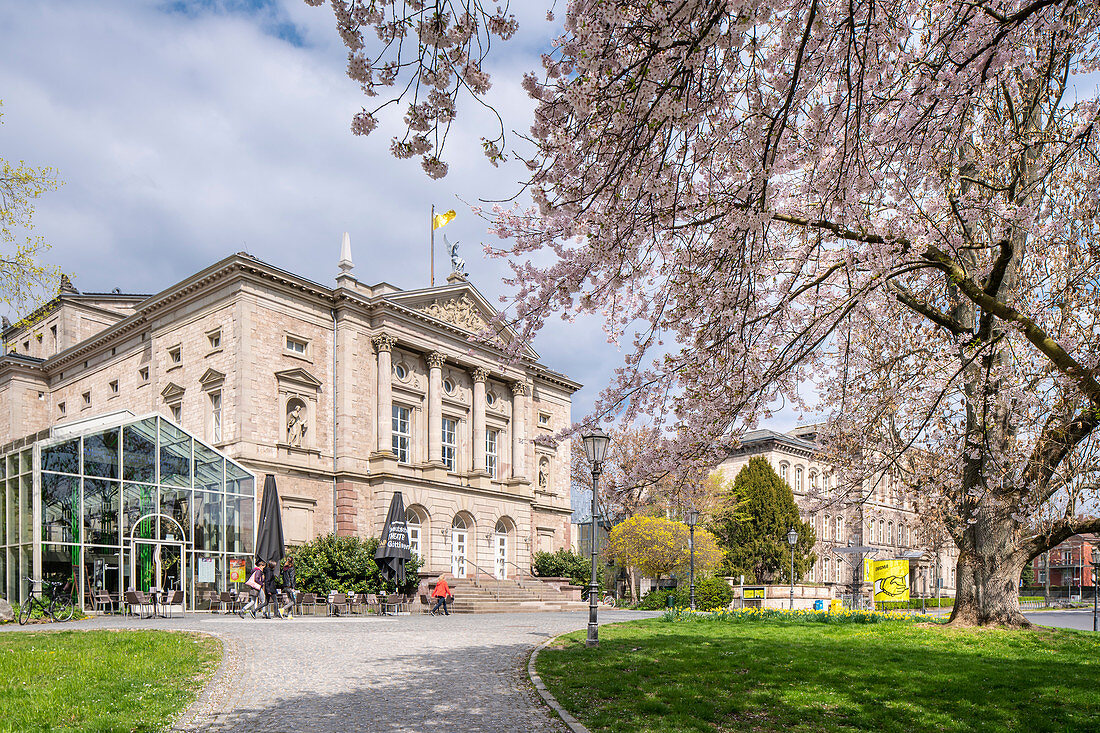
{"x": 404, "y": 673}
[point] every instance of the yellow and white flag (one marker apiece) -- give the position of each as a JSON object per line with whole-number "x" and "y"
{"x": 442, "y": 220}
{"x": 891, "y": 579}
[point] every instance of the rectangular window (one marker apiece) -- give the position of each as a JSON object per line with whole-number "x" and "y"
{"x": 175, "y": 355}
{"x": 402, "y": 433}
{"x": 544, "y": 419}
{"x": 143, "y": 375}
{"x": 450, "y": 442}
{"x": 53, "y": 333}
{"x": 177, "y": 412}
{"x": 216, "y": 417}
{"x": 215, "y": 339}
{"x": 61, "y": 408}
{"x": 296, "y": 346}
{"x": 492, "y": 439}
{"x": 114, "y": 386}
{"x": 87, "y": 399}
{"x": 414, "y": 539}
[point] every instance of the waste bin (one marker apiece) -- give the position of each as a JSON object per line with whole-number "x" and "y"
{"x": 670, "y": 600}
{"x": 819, "y": 605}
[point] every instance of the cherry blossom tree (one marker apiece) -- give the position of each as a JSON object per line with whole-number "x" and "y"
{"x": 895, "y": 199}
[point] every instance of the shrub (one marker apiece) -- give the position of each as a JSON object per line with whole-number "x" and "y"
{"x": 798, "y": 616}
{"x": 346, "y": 565}
{"x": 566, "y": 564}
{"x": 915, "y": 603}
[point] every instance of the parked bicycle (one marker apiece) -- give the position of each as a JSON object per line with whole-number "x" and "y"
{"x": 57, "y": 603}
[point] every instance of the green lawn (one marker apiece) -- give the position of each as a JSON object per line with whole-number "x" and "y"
{"x": 654, "y": 675}
{"x": 100, "y": 680}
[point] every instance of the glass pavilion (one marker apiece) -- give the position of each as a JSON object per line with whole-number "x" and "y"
{"x": 123, "y": 502}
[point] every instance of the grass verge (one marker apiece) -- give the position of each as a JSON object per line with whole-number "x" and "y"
{"x": 656, "y": 675}
{"x": 101, "y": 680}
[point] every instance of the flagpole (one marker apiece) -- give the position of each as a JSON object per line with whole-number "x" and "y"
{"x": 433, "y": 244}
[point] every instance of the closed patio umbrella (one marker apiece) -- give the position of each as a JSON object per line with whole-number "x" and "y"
{"x": 269, "y": 537}
{"x": 393, "y": 549}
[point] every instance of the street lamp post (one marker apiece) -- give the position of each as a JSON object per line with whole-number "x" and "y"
{"x": 693, "y": 519}
{"x": 792, "y": 540}
{"x": 595, "y": 449}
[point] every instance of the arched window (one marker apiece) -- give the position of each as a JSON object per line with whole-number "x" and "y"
{"x": 870, "y": 532}
{"x": 890, "y": 533}
{"x": 798, "y": 479}
{"x": 825, "y": 570}
{"x": 783, "y": 471}
{"x": 881, "y": 531}
{"x": 825, "y": 534}
{"x": 813, "y": 481}
{"x": 412, "y": 521}
{"x": 813, "y": 573}
{"x": 459, "y": 522}
{"x": 839, "y": 533}
{"x": 908, "y": 543}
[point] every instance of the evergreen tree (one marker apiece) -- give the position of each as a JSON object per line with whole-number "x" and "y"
{"x": 752, "y": 524}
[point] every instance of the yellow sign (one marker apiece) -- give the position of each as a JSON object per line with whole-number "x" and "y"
{"x": 891, "y": 579}
{"x": 236, "y": 570}
{"x": 836, "y": 605}
{"x": 751, "y": 594}
{"x": 442, "y": 220}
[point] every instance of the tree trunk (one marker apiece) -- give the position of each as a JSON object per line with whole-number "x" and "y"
{"x": 987, "y": 574}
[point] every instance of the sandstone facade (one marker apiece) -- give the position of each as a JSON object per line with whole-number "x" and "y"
{"x": 346, "y": 394}
{"x": 883, "y": 516}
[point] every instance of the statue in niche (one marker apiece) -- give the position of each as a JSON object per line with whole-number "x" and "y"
{"x": 295, "y": 424}
{"x": 544, "y": 474}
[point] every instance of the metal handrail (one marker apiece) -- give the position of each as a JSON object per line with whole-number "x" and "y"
{"x": 493, "y": 591}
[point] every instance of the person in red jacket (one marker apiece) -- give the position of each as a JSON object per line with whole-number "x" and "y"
{"x": 441, "y": 594}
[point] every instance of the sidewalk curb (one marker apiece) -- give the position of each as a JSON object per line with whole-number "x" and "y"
{"x": 569, "y": 720}
{"x": 222, "y": 685}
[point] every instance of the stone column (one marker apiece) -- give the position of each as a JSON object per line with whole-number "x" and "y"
{"x": 435, "y": 407}
{"x": 519, "y": 428}
{"x": 383, "y": 346}
{"x": 479, "y": 376}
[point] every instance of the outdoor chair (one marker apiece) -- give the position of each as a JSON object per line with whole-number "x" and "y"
{"x": 307, "y": 599}
{"x": 228, "y": 601}
{"x": 354, "y": 604}
{"x": 372, "y": 603}
{"x": 101, "y": 600}
{"x": 138, "y": 599}
{"x": 393, "y": 604}
{"x": 335, "y": 602}
{"x": 173, "y": 599}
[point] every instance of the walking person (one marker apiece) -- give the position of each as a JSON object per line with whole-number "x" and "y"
{"x": 441, "y": 593}
{"x": 270, "y": 599}
{"x": 256, "y": 590}
{"x": 289, "y": 587}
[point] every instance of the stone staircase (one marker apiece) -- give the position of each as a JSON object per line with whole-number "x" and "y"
{"x": 513, "y": 595}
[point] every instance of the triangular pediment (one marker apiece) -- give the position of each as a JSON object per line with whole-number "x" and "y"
{"x": 211, "y": 378}
{"x": 298, "y": 376}
{"x": 171, "y": 391}
{"x": 460, "y": 305}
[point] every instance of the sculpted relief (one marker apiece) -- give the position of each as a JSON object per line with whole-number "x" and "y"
{"x": 459, "y": 312}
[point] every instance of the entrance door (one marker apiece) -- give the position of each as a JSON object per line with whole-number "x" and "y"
{"x": 501, "y": 555}
{"x": 458, "y": 553}
{"x": 157, "y": 565}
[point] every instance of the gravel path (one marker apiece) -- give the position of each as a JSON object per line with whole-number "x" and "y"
{"x": 405, "y": 673}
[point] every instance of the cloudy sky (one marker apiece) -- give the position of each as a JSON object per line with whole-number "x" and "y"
{"x": 186, "y": 131}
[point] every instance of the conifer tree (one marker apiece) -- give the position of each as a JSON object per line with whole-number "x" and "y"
{"x": 756, "y": 513}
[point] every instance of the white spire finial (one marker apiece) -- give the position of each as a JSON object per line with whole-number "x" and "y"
{"x": 345, "y": 255}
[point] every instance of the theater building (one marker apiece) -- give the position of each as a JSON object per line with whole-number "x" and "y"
{"x": 345, "y": 393}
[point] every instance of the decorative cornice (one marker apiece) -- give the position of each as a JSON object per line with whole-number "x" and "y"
{"x": 211, "y": 378}
{"x": 172, "y": 391}
{"x": 299, "y": 376}
{"x": 435, "y": 360}
{"x": 383, "y": 342}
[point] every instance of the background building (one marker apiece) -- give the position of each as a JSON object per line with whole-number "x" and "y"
{"x": 884, "y": 518}
{"x": 1069, "y": 566}
{"x": 346, "y": 394}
